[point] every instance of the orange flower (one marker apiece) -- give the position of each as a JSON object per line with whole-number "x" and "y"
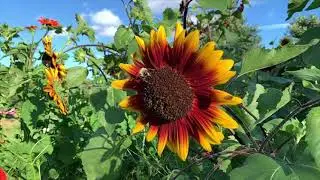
{"x": 3, "y": 175}
{"x": 50, "y": 88}
{"x": 49, "y": 22}
{"x": 31, "y": 28}
{"x": 175, "y": 96}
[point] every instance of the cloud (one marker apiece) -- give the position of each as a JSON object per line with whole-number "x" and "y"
{"x": 105, "y": 22}
{"x": 158, "y": 6}
{"x": 63, "y": 34}
{"x": 273, "y": 26}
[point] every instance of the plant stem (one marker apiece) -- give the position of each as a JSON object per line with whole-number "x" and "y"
{"x": 185, "y": 4}
{"x": 245, "y": 128}
{"x": 101, "y": 70}
{"x": 293, "y": 113}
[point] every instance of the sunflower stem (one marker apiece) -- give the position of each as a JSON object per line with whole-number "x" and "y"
{"x": 245, "y": 128}
{"x": 293, "y": 113}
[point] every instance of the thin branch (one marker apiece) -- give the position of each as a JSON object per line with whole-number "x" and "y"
{"x": 110, "y": 49}
{"x": 127, "y": 11}
{"x": 214, "y": 155}
{"x": 282, "y": 144}
{"x": 293, "y": 113}
{"x": 245, "y": 128}
{"x": 185, "y": 4}
{"x": 257, "y": 119}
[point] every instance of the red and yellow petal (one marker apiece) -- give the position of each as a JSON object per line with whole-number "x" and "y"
{"x": 203, "y": 141}
{"x": 162, "y": 138}
{"x": 224, "y": 98}
{"x": 182, "y": 142}
{"x": 140, "y": 124}
{"x": 124, "y": 84}
{"x": 132, "y": 103}
{"x": 130, "y": 68}
{"x": 223, "y": 119}
{"x": 153, "y": 130}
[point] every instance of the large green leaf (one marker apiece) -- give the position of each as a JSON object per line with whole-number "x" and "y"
{"x": 272, "y": 101}
{"x": 315, "y": 4}
{"x": 261, "y": 167}
{"x": 101, "y": 158}
{"x": 76, "y": 76}
{"x": 84, "y": 29}
{"x": 313, "y": 133}
{"x": 296, "y": 6}
{"x": 221, "y": 5}
{"x": 258, "y": 58}
{"x": 312, "y": 74}
{"x": 123, "y": 37}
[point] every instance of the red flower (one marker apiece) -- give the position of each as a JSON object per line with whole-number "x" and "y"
{"x": 31, "y": 28}
{"x": 3, "y": 175}
{"x": 49, "y": 22}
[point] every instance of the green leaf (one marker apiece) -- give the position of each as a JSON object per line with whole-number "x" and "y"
{"x": 221, "y": 5}
{"x": 141, "y": 11}
{"x": 313, "y": 133}
{"x": 296, "y": 6}
{"x": 315, "y": 4}
{"x": 76, "y": 76}
{"x": 256, "y": 59}
{"x": 101, "y": 158}
{"x": 312, "y": 74}
{"x": 310, "y": 85}
{"x": 272, "y": 101}
{"x": 261, "y": 167}
{"x": 84, "y": 29}
{"x": 26, "y": 111}
{"x": 123, "y": 37}
{"x": 80, "y": 55}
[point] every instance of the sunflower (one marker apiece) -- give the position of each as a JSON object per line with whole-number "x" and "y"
{"x": 49, "y": 58}
{"x": 50, "y": 88}
{"x": 175, "y": 94}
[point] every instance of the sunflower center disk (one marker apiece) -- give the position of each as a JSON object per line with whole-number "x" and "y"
{"x": 166, "y": 94}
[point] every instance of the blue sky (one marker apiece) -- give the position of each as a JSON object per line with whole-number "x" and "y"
{"x": 105, "y": 15}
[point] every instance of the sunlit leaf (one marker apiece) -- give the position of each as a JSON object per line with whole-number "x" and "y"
{"x": 313, "y": 133}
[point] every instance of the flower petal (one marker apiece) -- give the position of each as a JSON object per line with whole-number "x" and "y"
{"x": 153, "y": 130}
{"x": 183, "y": 142}
{"x": 162, "y": 138}
{"x": 222, "y": 78}
{"x": 204, "y": 142}
{"x": 130, "y": 68}
{"x": 124, "y": 84}
{"x": 140, "y": 43}
{"x": 140, "y": 124}
{"x": 179, "y": 30}
{"x": 132, "y": 103}
{"x": 222, "y": 118}
{"x": 224, "y": 98}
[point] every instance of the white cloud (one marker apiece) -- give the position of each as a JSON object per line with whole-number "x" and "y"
{"x": 105, "y": 22}
{"x": 105, "y": 17}
{"x": 64, "y": 33}
{"x": 274, "y": 26}
{"x": 158, "y": 6}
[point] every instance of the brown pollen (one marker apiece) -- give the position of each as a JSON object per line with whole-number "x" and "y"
{"x": 166, "y": 93}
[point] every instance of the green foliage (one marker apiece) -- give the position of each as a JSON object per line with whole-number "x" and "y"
{"x": 221, "y": 5}
{"x": 257, "y": 59}
{"x": 313, "y": 133}
{"x": 76, "y": 76}
{"x": 298, "y": 6}
{"x": 259, "y": 167}
{"x": 123, "y": 37}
